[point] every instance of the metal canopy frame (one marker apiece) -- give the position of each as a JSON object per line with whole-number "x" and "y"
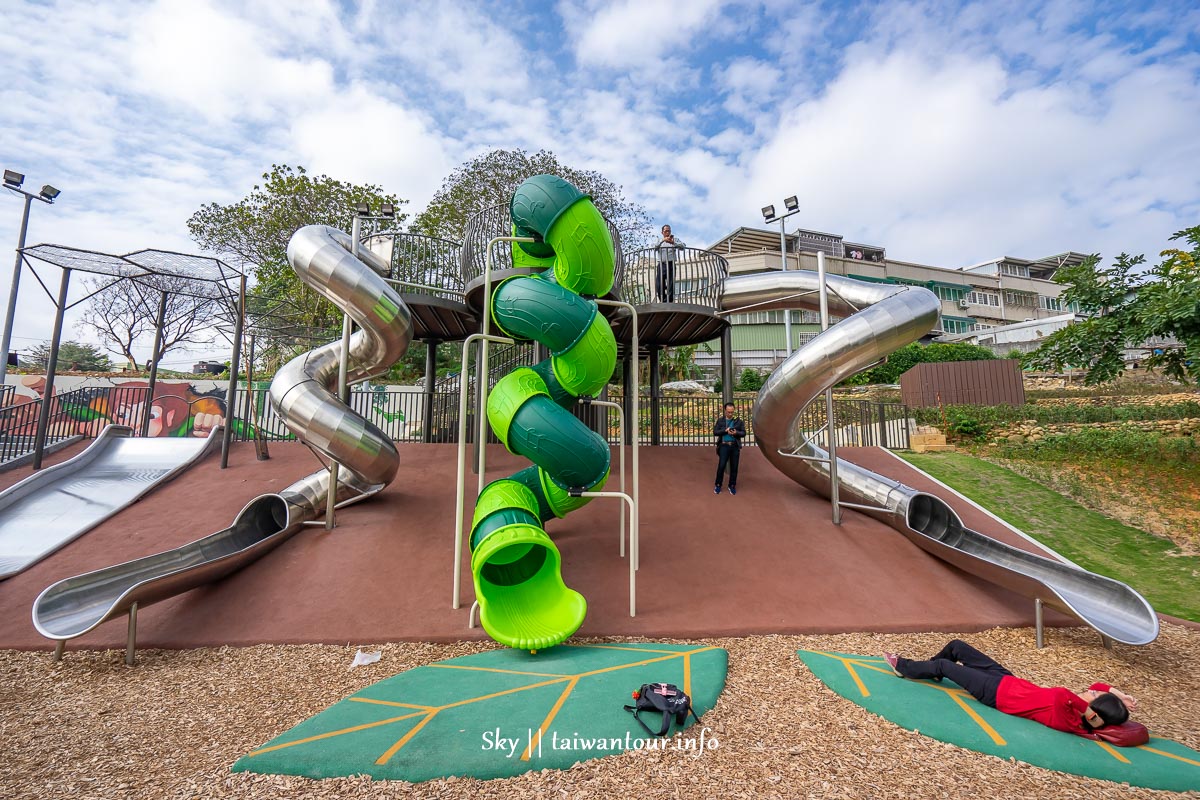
{"x": 207, "y": 278}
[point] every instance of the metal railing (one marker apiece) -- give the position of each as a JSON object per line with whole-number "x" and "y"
{"x": 693, "y": 276}
{"x": 421, "y": 264}
{"x": 683, "y": 419}
{"x": 488, "y": 223}
{"x": 18, "y": 426}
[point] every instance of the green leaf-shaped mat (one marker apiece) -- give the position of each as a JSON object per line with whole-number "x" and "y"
{"x": 492, "y": 714}
{"x": 947, "y": 713}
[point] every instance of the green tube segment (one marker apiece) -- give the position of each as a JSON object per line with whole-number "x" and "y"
{"x": 523, "y": 601}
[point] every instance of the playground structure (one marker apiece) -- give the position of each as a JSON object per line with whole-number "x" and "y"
{"x": 879, "y": 320}
{"x": 522, "y": 599}
{"x": 304, "y": 394}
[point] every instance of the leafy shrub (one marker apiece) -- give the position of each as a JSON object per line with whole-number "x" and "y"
{"x": 750, "y": 381}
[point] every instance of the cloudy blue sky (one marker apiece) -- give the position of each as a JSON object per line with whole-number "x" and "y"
{"x": 948, "y": 133}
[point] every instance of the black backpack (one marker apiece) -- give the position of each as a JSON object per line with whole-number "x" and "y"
{"x": 664, "y": 697}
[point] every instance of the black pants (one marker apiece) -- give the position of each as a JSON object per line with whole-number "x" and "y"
{"x": 974, "y": 671}
{"x": 728, "y": 453}
{"x": 666, "y": 282}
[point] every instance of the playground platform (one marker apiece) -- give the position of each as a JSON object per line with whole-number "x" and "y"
{"x": 768, "y": 560}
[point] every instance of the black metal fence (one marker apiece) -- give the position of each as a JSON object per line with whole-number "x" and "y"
{"x": 683, "y": 419}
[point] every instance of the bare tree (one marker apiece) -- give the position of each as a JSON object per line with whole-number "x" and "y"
{"x": 125, "y": 313}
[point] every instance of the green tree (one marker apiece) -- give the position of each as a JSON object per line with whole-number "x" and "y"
{"x": 1128, "y": 308}
{"x": 491, "y": 179}
{"x": 253, "y": 235}
{"x": 72, "y": 357}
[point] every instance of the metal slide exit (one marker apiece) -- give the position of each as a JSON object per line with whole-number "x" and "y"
{"x": 880, "y": 319}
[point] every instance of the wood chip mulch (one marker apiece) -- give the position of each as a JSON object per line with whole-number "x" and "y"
{"x": 171, "y": 726}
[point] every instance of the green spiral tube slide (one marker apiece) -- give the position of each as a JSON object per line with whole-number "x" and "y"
{"x": 523, "y": 602}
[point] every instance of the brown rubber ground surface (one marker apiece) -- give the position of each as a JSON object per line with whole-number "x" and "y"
{"x": 766, "y": 561}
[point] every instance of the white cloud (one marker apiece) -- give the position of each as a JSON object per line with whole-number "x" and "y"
{"x": 632, "y": 34}
{"x": 364, "y": 138}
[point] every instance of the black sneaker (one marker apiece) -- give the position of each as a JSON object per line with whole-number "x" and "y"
{"x": 716, "y": 490}
{"x": 733, "y": 490}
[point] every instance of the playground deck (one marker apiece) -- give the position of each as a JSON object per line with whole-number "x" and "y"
{"x": 766, "y": 561}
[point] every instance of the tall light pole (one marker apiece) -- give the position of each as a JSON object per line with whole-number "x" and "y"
{"x": 793, "y": 207}
{"x": 12, "y": 182}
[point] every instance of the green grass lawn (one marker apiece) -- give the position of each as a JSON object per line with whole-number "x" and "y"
{"x": 1091, "y": 540}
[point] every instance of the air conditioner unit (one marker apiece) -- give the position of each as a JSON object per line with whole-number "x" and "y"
{"x": 963, "y": 303}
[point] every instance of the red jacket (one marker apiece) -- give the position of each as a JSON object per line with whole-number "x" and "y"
{"x": 1055, "y": 707}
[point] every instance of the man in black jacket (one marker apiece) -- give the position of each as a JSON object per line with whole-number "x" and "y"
{"x": 729, "y": 431}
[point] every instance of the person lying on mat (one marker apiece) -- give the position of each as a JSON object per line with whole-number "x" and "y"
{"x": 1080, "y": 713}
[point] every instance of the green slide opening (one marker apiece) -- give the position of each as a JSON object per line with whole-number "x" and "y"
{"x": 523, "y": 601}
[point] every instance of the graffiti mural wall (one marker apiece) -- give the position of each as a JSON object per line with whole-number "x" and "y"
{"x": 177, "y": 408}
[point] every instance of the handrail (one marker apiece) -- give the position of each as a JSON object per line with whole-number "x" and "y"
{"x": 698, "y": 277}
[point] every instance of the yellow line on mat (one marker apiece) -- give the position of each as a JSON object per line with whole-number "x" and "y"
{"x": 687, "y": 674}
{"x": 1156, "y": 751}
{"x": 503, "y": 671}
{"x": 641, "y": 663}
{"x": 973, "y": 714}
{"x": 956, "y": 694}
{"x": 389, "y": 703}
{"x": 1108, "y": 748}
{"x": 549, "y": 718}
{"x": 262, "y": 750}
{"x": 391, "y": 751}
{"x": 846, "y": 662}
{"x": 603, "y": 646}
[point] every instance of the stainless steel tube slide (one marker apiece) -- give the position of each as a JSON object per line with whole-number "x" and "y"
{"x": 880, "y": 319}
{"x": 303, "y": 393}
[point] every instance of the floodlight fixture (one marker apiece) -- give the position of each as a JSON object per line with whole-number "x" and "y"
{"x": 792, "y": 203}
{"x": 362, "y": 209}
{"x": 49, "y": 193}
{"x": 13, "y": 179}
{"x": 768, "y": 213}
{"x": 387, "y": 210}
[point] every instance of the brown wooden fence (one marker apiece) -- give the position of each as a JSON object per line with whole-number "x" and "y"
{"x": 990, "y": 382}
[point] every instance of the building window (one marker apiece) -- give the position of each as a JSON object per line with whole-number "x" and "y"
{"x": 983, "y": 299}
{"x": 1049, "y": 303}
{"x": 950, "y": 325}
{"x": 981, "y": 326}
{"x": 949, "y": 293}
{"x": 1016, "y": 270}
{"x": 1023, "y": 299}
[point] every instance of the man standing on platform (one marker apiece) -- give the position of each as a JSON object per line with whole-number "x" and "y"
{"x": 729, "y": 431}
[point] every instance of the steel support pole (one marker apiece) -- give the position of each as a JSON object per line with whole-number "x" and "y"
{"x": 431, "y": 348}
{"x": 727, "y": 364}
{"x": 155, "y": 356}
{"x": 12, "y": 292}
{"x": 1039, "y": 628}
{"x": 343, "y": 369}
{"x": 231, "y": 390}
{"x": 630, "y": 381}
{"x": 830, "y": 427}
{"x": 655, "y": 381}
{"x": 131, "y": 640}
{"x": 787, "y": 313}
{"x": 39, "y": 443}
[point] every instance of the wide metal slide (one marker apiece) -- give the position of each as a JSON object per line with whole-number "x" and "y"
{"x": 304, "y": 395}
{"x": 878, "y": 320}
{"x": 59, "y": 504}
